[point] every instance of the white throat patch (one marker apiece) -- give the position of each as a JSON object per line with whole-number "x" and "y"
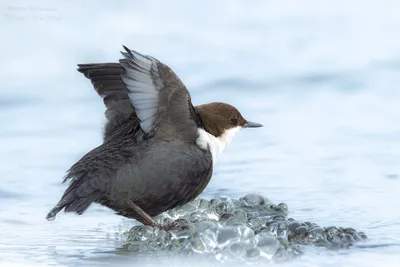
{"x": 216, "y": 144}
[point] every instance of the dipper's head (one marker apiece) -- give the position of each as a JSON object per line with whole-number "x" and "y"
{"x": 222, "y": 120}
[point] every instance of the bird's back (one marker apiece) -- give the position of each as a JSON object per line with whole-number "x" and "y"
{"x": 149, "y": 154}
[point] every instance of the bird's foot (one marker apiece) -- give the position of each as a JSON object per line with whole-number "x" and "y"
{"x": 179, "y": 225}
{"x": 146, "y": 219}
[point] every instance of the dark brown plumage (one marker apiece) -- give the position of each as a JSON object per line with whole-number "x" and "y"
{"x": 150, "y": 160}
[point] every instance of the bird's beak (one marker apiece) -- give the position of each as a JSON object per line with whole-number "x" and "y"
{"x": 250, "y": 124}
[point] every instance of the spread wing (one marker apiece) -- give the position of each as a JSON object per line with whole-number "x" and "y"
{"x": 106, "y": 80}
{"x": 149, "y": 90}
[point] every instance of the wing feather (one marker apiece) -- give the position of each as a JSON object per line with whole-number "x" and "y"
{"x": 143, "y": 87}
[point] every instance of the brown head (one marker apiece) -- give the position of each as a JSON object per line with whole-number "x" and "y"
{"x": 218, "y": 118}
{"x": 221, "y": 122}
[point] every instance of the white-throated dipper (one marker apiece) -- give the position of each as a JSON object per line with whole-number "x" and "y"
{"x": 158, "y": 150}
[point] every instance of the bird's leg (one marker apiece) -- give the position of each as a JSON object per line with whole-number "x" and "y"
{"x": 145, "y": 218}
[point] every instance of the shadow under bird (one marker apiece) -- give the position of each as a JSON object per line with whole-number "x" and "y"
{"x": 158, "y": 150}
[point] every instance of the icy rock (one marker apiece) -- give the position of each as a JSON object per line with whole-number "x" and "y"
{"x": 239, "y": 249}
{"x": 198, "y": 245}
{"x": 222, "y": 255}
{"x": 253, "y": 254}
{"x": 224, "y": 207}
{"x": 209, "y": 238}
{"x": 250, "y": 230}
{"x": 253, "y": 200}
{"x": 282, "y": 229}
{"x": 207, "y": 225}
{"x": 254, "y": 223}
{"x": 240, "y": 215}
{"x": 267, "y": 244}
{"x": 197, "y": 217}
{"x": 245, "y": 232}
{"x": 227, "y": 236}
{"x": 316, "y": 234}
{"x": 204, "y": 204}
{"x": 233, "y": 222}
{"x": 225, "y": 217}
{"x": 141, "y": 233}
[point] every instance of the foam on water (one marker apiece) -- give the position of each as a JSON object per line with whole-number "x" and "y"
{"x": 250, "y": 229}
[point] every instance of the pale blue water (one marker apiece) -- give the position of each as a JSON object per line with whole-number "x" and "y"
{"x": 322, "y": 76}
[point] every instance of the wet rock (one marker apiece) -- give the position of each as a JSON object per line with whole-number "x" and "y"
{"x": 204, "y": 204}
{"x": 316, "y": 234}
{"x": 196, "y": 217}
{"x": 198, "y": 245}
{"x": 282, "y": 229}
{"x": 253, "y": 254}
{"x": 207, "y": 225}
{"x": 225, "y": 217}
{"x": 267, "y": 244}
{"x": 362, "y": 235}
{"x": 283, "y": 206}
{"x": 227, "y": 236}
{"x": 209, "y": 238}
{"x": 224, "y": 207}
{"x": 299, "y": 235}
{"x": 214, "y": 202}
{"x": 241, "y": 215}
{"x": 278, "y": 218}
{"x": 250, "y": 229}
{"x": 222, "y": 255}
{"x": 253, "y": 200}
{"x": 293, "y": 226}
{"x": 245, "y": 232}
{"x": 164, "y": 219}
{"x": 255, "y": 223}
{"x": 301, "y": 230}
{"x": 239, "y": 249}
{"x": 233, "y": 222}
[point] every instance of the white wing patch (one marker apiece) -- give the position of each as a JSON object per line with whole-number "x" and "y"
{"x": 216, "y": 145}
{"x": 141, "y": 80}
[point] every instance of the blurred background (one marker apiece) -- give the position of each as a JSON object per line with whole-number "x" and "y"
{"x": 322, "y": 76}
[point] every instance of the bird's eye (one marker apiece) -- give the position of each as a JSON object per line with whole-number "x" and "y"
{"x": 233, "y": 121}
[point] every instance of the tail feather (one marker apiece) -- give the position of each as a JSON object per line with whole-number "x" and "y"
{"x": 78, "y": 205}
{"x": 89, "y": 180}
{"x": 52, "y": 214}
{"x": 71, "y": 201}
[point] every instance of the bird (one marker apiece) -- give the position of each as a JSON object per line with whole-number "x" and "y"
{"x": 158, "y": 150}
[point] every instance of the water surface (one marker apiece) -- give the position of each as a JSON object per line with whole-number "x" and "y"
{"x": 321, "y": 76}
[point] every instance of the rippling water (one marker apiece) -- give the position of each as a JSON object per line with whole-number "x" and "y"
{"x": 321, "y": 76}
